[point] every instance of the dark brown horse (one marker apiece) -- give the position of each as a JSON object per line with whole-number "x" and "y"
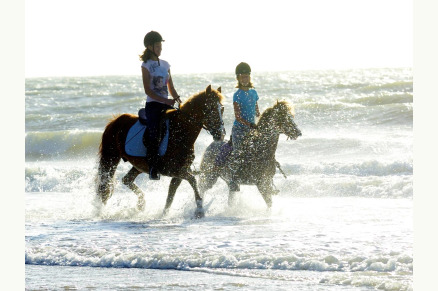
{"x": 258, "y": 161}
{"x": 203, "y": 110}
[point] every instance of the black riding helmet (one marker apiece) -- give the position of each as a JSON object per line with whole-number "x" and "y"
{"x": 243, "y": 68}
{"x": 152, "y": 37}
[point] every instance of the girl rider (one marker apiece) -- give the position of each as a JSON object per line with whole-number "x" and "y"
{"x": 157, "y": 100}
{"x": 245, "y": 110}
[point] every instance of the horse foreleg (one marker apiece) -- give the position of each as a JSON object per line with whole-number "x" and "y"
{"x": 231, "y": 196}
{"x": 266, "y": 189}
{"x": 128, "y": 180}
{"x": 199, "y": 212}
{"x": 174, "y": 184}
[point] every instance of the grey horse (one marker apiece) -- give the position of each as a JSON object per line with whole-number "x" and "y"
{"x": 257, "y": 165}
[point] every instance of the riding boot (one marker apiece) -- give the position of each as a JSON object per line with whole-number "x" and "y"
{"x": 154, "y": 170}
{"x": 154, "y": 162}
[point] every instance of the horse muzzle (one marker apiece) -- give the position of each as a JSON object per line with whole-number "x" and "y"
{"x": 295, "y": 134}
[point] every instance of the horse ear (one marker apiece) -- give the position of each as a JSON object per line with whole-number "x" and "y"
{"x": 208, "y": 90}
{"x": 219, "y": 89}
{"x": 277, "y": 102}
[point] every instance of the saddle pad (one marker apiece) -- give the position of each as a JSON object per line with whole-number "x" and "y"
{"x": 142, "y": 116}
{"x": 134, "y": 141}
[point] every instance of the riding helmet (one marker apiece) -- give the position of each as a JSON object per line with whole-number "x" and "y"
{"x": 243, "y": 68}
{"x": 152, "y": 37}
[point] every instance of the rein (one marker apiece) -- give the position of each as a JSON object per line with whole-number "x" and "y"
{"x": 193, "y": 121}
{"x": 281, "y": 170}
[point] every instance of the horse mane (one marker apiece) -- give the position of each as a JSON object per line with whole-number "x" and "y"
{"x": 268, "y": 116}
{"x": 195, "y": 99}
{"x": 279, "y": 107}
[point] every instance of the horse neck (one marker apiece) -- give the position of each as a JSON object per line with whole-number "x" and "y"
{"x": 267, "y": 139}
{"x": 190, "y": 122}
{"x": 270, "y": 142}
{"x": 265, "y": 144}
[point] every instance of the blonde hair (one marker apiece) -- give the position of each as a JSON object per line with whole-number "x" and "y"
{"x": 240, "y": 86}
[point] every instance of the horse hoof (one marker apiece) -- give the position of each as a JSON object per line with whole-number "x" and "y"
{"x": 199, "y": 213}
{"x": 140, "y": 205}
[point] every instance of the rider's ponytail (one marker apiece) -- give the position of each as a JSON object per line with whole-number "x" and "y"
{"x": 147, "y": 54}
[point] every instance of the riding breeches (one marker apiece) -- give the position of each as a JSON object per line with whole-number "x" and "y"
{"x": 154, "y": 111}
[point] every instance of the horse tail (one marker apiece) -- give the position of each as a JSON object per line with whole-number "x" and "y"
{"x": 109, "y": 158}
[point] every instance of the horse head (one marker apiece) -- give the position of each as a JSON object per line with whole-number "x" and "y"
{"x": 213, "y": 113}
{"x": 207, "y": 108}
{"x": 280, "y": 118}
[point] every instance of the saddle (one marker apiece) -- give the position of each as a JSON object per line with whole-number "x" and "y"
{"x": 135, "y": 145}
{"x": 225, "y": 151}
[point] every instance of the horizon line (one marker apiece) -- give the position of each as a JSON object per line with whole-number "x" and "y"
{"x": 220, "y": 72}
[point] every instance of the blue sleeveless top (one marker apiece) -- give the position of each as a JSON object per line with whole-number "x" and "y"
{"x": 247, "y": 101}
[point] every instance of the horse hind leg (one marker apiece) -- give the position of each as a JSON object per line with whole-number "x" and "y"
{"x": 107, "y": 167}
{"x": 174, "y": 184}
{"x": 128, "y": 180}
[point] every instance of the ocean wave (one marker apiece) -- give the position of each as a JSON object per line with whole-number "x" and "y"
{"x": 126, "y": 94}
{"x": 359, "y": 97}
{"x": 384, "y": 99}
{"x": 398, "y": 86}
{"x": 58, "y": 178}
{"x": 359, "y": 104}
{"x": 95, "y": 257}
{"x": 367, "y": 179}
{"x": 62, "y": 144}
{"x": 388, "y": 187}
{"x": 345, "y": 115}
{"x": 370, "y": 281}
{"x": 378, "y": 86}
{"x": 359, "y": 169}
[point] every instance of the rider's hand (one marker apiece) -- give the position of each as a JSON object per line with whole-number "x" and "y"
{"x": 170, "y": 102}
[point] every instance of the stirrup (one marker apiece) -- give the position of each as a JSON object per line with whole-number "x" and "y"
{"x": 153, "y": 174}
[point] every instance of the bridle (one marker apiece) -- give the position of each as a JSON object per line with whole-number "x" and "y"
{"x": 279, "y": 126}
{"x": 209, "y": 128}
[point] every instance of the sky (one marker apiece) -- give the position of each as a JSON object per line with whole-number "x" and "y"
{"x": 82, "y": 38}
